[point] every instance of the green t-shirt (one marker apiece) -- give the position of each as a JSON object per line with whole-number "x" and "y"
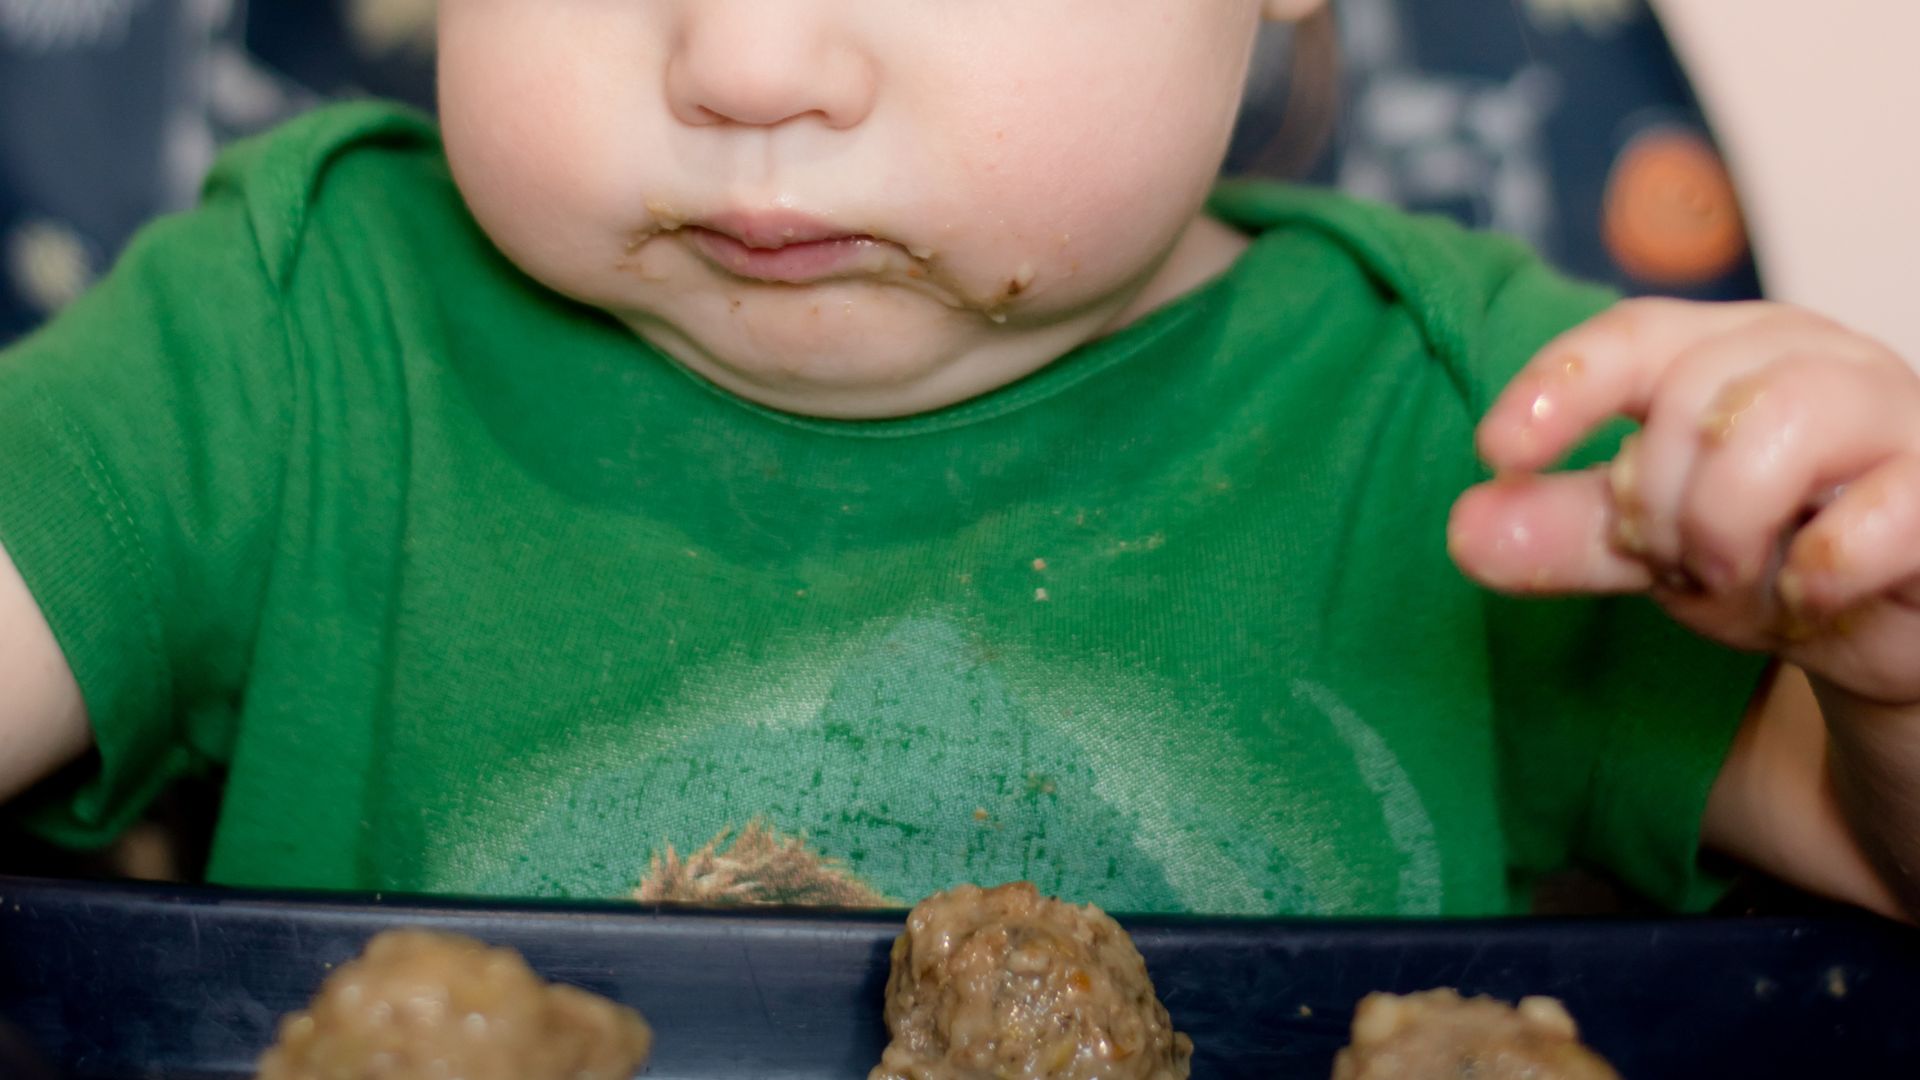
{"x": 471, "y": 591}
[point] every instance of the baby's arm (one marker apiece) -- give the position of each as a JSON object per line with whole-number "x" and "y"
{"x": 1780, "y": 805}
{"x": 1771, "y": 501}
{"x": 43, "y": 722}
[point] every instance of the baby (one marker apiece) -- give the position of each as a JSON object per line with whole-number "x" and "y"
{"x": 829, "y": 450}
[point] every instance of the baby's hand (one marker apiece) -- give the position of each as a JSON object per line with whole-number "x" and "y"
{"x": 1771, "y": 499}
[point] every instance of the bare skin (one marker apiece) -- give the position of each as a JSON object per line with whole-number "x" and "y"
{"x": 1772, "y": 502}
{"x": 43, "y": 724}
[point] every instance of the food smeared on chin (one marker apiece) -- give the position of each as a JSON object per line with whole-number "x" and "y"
{"x": 1003, "y": 984}
{"x": 1439, "y": 1035}
{"x": 428, "y": 1006}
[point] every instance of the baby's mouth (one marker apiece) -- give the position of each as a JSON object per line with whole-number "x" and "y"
{"x": 786, "y": 247}
{"x": 796, "y": 261}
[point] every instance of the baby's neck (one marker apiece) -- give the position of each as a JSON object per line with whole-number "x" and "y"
{"x": 1205, "y": 251}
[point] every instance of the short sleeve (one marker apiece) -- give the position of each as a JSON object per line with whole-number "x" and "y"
{"x": 142, "y": 438}
{"x": 1614, "y": 721}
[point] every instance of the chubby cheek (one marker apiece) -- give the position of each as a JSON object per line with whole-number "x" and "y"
{"x": 1073, "y": 204}
{"x": 529, "y": 145}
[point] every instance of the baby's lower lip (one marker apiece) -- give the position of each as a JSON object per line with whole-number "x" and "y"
{"x": 795, "y": 264}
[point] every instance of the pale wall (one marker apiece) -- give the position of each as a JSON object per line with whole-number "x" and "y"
{"x": 1818, "y": 103}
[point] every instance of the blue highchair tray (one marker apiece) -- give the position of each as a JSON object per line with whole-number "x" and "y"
{"x": 124, "y": 981}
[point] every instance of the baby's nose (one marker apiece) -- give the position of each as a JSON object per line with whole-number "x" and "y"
{"x": 757, "y": 63}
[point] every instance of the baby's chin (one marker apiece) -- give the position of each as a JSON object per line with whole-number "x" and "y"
{"x": 846, "y": 353}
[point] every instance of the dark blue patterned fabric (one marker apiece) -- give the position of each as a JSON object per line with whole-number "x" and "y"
{"x": 1507, "y": 113}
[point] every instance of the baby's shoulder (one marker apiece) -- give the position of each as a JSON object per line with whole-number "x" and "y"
{"x": 1420, "y": 259}
{"x": 1480, "y": 301}
{"x": 356, "y": 169}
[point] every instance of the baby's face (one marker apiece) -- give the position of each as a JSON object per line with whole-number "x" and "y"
{"x": 851, "y": 207}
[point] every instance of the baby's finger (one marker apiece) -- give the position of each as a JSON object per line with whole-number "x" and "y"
{"x": 1542, "y": 535}
{"x": 1864, "y": 544}
{"x": 1770, "y": 446}
{"x": 1607, "y": 367}
{"x": 1709, "y": 391}
{"x": 1652, "y": 473}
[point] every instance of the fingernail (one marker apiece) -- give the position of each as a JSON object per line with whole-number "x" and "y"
{"x": 1792, "y": 589}
{"x": 1820, "y": 553}
{"x": 1796, "y": 626}
{"x": 1627, "y": 535}
{"x": 1623, "y": 475}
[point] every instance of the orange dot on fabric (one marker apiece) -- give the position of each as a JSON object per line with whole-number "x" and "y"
{"x": 1672, "y": 215}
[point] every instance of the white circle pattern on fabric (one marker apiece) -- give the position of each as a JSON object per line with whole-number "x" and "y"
{"x": 1408, "y": 824}
{"x": 1597, "y": 17}
{"x": 383, "y": 26}
{"x": 45, "y": 26}
{"x": 49, "y": 264}
{"x": 1426, "y": 136}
